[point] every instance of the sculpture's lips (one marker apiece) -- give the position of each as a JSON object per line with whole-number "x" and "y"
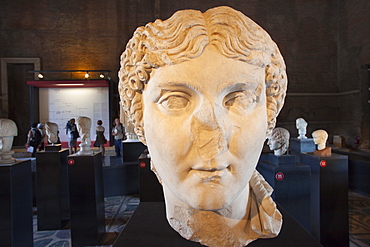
{"x": 211, "y": 174}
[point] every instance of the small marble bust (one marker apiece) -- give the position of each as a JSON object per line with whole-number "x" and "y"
{"x": 301, "y": 126}
{"x": 8, "y": 129}
{"x": 279, "y": 141}
{"x": 203, "y": 91}
{"x": 84, "y": 127}
{"x": 320, "y": 137}
{"x": 51, "y": 132}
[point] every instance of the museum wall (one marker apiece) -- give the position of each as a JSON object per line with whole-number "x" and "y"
{"x": 90, "y": 34}
{"x": 354, "y": 52}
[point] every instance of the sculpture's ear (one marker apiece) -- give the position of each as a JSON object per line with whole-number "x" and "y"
{"x": 268, "y": 130}
{"x": 268, "y": 133}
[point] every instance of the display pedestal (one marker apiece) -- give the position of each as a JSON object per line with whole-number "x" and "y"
{"x": 298, "y": 146}
{"x": 302, "y": 145}
{"x": 291, "y": 183}
{"x": 52, "y": 189}
{"x": 283, "y": 160}
{"x": 329, "y": 198}
{"x": 121, "y": 179}
{"x": 150, "y": 189}
{"x": 326, "y": 152}
{"x": 132, "y": 149}
{"x": 358, "y": 169}
{"x": 86, "y": 198}
{"x": 56, "y": 147}
{"x": 148, "y": 226}
{"x": 16, "y": 204}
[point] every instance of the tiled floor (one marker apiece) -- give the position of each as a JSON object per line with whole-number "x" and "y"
{"x": 118, "y": 210}
{"x": 359, "y": 219}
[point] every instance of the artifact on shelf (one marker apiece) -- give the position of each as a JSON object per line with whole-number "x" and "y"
{"x": 8, "y": 129}
{"x": 84, "y": 126}
{"x": 320, "y": 137}
{"x": 51, "y": 132}
{"x": 301, "y": 126}
{"x": 278, "y": 141}
{"x": 203, "y": 91}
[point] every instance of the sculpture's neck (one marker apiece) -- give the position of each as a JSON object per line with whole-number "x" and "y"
{"x": 278, "y": 152}
{"x": 251, "y": 215}
{"x": 302, "y": 135}
{"x": 225, "y": 227}
{"x": 321, "y": 146}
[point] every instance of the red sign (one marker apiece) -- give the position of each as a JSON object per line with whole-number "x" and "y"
{"x": 323, "y": 163}
{"x": 142, "y": 164}
{"x": 279, "y": 176}
{"x": 71, "y": 162}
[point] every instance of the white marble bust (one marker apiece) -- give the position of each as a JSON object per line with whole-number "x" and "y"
{"x": 8, "y": 129}
{"x": 301, "y": 126}
{"x": 279, "y": 141}
{"x": 84, "y": 127}
{"x": 320, "y": 137}
{"x": 208, "y": 88}
{"x": 51, "y": 130}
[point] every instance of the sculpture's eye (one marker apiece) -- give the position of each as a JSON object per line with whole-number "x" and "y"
{"x": 174, "y": 101}
{"x": 240, "y": 101}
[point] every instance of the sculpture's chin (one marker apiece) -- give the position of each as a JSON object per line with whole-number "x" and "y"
{"x": 210, "y": 196}
{"x": 209, "y": 202}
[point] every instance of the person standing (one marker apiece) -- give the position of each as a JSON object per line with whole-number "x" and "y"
{"x": 100, "y": 138}
{"x": 40, "y": 128}
{"x": 71, "y": 127}
{"x": 34, "y": 138}
{"x": 118, "y": 132}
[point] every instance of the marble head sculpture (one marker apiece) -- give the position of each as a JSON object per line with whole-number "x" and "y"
{"x": 51, "y": 132}
{"x": 279, "y": 141}
{"x": 83, "y": 128}
{"x": 320, "y": 137}
{"x": 203, "y": 91}
{"x": 8, "y": 129}
{"x": 301, "y": 126}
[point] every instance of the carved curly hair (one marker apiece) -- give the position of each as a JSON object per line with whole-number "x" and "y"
{"x": 184, "y": 36}
{"x": 282, "y": 136}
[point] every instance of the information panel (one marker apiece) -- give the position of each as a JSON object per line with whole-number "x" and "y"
{"x": 58, "y": 105}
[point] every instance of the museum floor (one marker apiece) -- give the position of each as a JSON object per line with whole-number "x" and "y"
{"x": 359, "y": 219}
{"x": 118, "y": 210}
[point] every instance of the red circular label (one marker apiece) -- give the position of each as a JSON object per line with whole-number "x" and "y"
{"x": 323, "y": 163}
{"x": 142, "y": 164}
{"x": 71, "y": 162}
{"x": 279, "y": 176}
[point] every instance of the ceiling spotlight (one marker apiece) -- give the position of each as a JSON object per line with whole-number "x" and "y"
{"x": 40, "y": 76}
{"x": 87, "y": 75}
{"x": 101, "y": 75}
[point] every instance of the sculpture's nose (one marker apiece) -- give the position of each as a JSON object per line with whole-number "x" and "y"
{"x": 268, "y": 141}
{"x": 208, "y": 129}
